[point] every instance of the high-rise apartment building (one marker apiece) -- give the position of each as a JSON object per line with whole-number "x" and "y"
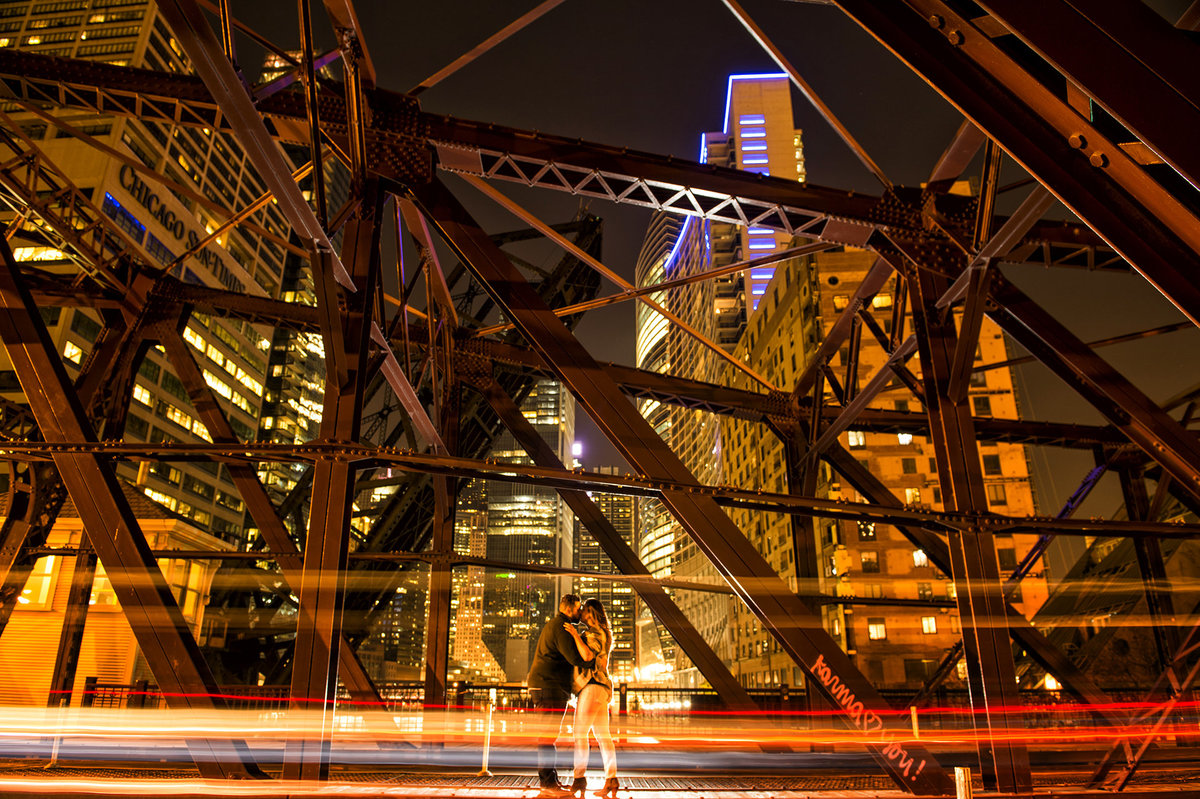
{"x": 773, "y": 319}
{"x": 167, "y": 224}
{"x": 618, "y": 597}
{"x": 866, "y": 563}
{"x": 468, "y": 653}
{"x": 527, "y": 524}
{"x": 757, "y": 135}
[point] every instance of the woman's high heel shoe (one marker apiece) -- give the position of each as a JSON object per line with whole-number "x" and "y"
{"x": 610, "y": 788}
{"x": 578, "y": 787}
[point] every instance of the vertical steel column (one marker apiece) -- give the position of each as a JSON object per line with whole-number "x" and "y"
{"x": 983, "y": 611}
{"x": 346, "y": 336}
{"x": 441, "y": 568}
{"x": 146, "y": 598}
{"x": 70, "y": 638}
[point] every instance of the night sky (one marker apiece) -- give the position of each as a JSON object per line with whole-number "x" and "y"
{"x": 651, "y": 75}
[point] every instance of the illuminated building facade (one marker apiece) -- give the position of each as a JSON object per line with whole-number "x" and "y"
{"x": 895, "y": 646}
{"x": 164, "y": 224}
{"x": 527, "y": 524}
{"x": 757, "y": 135}
{"x": 618, "y": 597}
{"x": 468, "y": 653}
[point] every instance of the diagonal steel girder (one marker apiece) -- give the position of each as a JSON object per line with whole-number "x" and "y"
{"x": 1156, "y": 232}
{"x": 154, "y": 616}
{"x": 621, "y": 553}
{"x": 794, "y": 624}
{"x": 1125, "y": 57}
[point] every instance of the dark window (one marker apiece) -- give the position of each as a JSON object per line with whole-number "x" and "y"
{"x": 982, "y": 405}
{"x": 136, "y": 426}
{"x": 925, "y": 590}
{"x": 1007, "y": 559}
{"x": 996, "y": 495}
{"x": 991, "y": 464}
{"x": 173, "y": 385}
{"x": 918, "y": 670}
{"x": 870, "y": 562}
{"x": 85, "y": 325}
{"x": 149, "y": 370}
{"x": 908, "y": 465}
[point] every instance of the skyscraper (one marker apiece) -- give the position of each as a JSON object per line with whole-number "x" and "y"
{"x": 527, "y": 524}
{"x": 757, "y": 135}
{"x": 617, "y": 596}
{"x": 171, "y": 224}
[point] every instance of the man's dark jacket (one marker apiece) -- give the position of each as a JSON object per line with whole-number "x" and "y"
{"x": 555, "y": 657}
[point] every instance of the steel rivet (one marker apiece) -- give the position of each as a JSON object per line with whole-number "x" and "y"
{"x": 936, "y": 22}
{"x": 1077, "y": 141}
{"x": 1099, "y": 159}
{"x": 955, "y": 37}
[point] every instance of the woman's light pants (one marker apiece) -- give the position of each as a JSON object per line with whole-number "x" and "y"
{"x": 591, "y": 715}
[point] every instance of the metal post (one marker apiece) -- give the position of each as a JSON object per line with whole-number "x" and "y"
{"x": 487, "y": 737}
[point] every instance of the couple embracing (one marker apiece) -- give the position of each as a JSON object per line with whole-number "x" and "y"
{"x": 570, "y": 660}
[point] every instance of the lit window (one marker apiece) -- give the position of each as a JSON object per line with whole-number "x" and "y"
{"x": 876, "y": 629}
{"x": 912, "y": 496}
{"x": 870, "y": 562}
{"x": 840, "y": 301}
{"x": 141, "y": 395}
{"x": 951, "y": 591}
{"x": 882, "y": 301}
{"x": 996, "y": 495}
{"x": 866, "y": 531}
{"x": 72, "y": 352}
{"x": 929, "y": 624}
{"x": 1051, "y": 683}
{"x": 920, "y": 558}
{"x": 857, "y": 438}
{"x": 38, "y": 592}
{"x": 904, "y": 438}
{"x": 960, "y": 669}
{"x": 103, "y": 595}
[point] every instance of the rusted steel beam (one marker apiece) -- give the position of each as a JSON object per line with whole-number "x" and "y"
{"x": 1155, "y": 96}
{"x": 1156, "y": 232}
{"x": 487, "y": 44}
{"x": 1029, "y": 638}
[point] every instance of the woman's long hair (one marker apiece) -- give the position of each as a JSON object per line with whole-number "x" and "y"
{"x": 597, "y": 607}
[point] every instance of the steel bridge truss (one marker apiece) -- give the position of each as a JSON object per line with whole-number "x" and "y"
{"x": 1026, "y": 91}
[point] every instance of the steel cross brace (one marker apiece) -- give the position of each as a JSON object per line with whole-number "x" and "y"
{"x": 796, "y": 626}
{"x": 622, "y": 554}
{"x": 157, "y": 623}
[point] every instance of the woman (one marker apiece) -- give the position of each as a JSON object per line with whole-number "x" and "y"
{"x": 591, "y": 704}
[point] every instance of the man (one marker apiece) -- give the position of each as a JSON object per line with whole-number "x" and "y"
{"x": 554, "y": 663}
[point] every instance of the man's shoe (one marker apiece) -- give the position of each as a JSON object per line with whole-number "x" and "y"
{"x": 556, "y": 791}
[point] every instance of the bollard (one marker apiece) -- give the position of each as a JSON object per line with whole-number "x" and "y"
{"x": 487, "y": 740}
{"x": 962, "y": 782}
{"x": 912, "y": 710}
